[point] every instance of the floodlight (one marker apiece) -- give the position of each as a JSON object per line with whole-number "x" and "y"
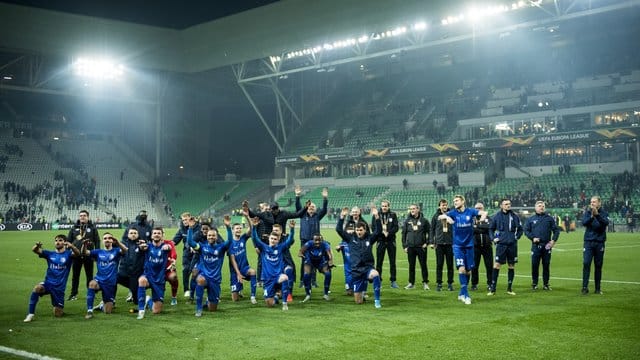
{"x": 421, "y": 25}
{"x": 97, "y": 68}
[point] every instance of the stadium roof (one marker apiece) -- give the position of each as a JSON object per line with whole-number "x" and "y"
{"x": 185, "y": 43}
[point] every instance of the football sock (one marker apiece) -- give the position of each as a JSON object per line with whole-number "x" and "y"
{"x": 199, "y": 294}
{"x": 327, "y": 282}
{"x": 463, "y": 284}
{"x": 376, "y": 288}
{"x": 33, "y": 300}
{"x": 91, "y": 294}
{"x": 510, "y": 275}
{"x": 141, "y": 293}
{"x": 307, "y": 283}
{"x": 254, "y": 282}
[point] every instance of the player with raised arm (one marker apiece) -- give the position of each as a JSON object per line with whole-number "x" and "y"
{"x": 209, "y": 268}
{"x": 156, "y": 255}
{"x": 361, "y": 256}
{"x": 462, "y": 219}
{"x": 239, "y": 268}
{"x": 273, "y": 266}
{"x": 55, "y": 281}
{"x": 106, "y": 279}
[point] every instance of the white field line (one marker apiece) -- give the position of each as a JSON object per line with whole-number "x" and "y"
{"x": 25, "y": 354}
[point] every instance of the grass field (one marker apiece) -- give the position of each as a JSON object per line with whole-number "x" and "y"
{"x": 411, "y": 324}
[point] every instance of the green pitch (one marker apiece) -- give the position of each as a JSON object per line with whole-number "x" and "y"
{"x": 411, "y": 324}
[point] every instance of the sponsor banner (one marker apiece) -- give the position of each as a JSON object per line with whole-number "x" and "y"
{"x": 311, "y": 158}
{"x": 21, "y": 226}
{"x": 287, "y": 160}
{"x": 586, "y": 136}
{"x": 100, "y": 225}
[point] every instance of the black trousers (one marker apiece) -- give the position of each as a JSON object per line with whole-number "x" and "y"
{"x": 444, "y": 252}
{"x": 388, "y": 247}
{"x": 540, "y": 254}
{"x": 486, "y": 252}
{"x": 421, "y": 255}
{"x": 76, "y": 268}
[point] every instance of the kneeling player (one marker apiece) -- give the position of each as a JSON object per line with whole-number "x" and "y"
{"x": 317, "y": 256}
{"x": 55, "y": 281}
{"x": 155, "y": 260}
{"x": 272, "y": 259}
{"x": 239, "y": 268}
{"x": 209, "y": 267}
{"x": 107, "y": 260}
{"x": 361, "y": 259}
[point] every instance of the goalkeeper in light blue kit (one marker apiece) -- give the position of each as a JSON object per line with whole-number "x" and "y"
{"x": 462, "y": 219}
{"x": 209, "y": 268}
{"x": 273, "y": 266}
{"x": 106, "y": 278}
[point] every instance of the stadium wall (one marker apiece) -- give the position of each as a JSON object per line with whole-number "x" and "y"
{"x": 602, "y": 168}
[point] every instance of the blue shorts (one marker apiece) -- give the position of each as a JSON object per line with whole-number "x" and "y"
{"x": 236, "y": 286}
{"x": 213, "y": 291}
{"x": 463, "y": 257}
{"x": 57, "y": 294}
{"x": 318, "y": 264}
{"x": 506, "y": 253}
{"x": 108, "y": 291}
{"x": 270, "y": 286}
{"x": 360, "y": 282}
{"x": 157, "y": 290}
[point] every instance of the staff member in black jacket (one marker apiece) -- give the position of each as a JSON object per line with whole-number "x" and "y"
{"x": 482, "y": 247}
{"x": 441, "y": 239}
{"x": 83, "y": 230}
{"x": 415, "y": 232}
{"x": 387, "y": 240}
{"x": 542, "y": 230}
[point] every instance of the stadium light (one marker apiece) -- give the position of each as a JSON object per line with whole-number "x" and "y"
{"x": 97, "y": 69}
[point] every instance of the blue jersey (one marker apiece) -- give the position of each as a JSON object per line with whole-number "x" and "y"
{"x": 155, "y": 262}
{"x": 271, "y": 258}
{"x": 238, "y": 249}
{"x": 58, "y": 267}
{"x": 211, "y": 260}
{"x": 463, "y": 226}
{"x": 107, "y": 264}
{"x": 316, "y": 254}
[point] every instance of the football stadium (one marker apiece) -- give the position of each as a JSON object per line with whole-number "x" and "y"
{"x": 286, "y": 179}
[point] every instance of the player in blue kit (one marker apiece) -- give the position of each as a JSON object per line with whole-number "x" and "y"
{"x": 107, "y": 260}
{"x": 209, "y": 268}
{"x": 361, "y": 256}
{"x": 153, "y": 276}
{"x": 462, "y": 219}
{"x": 273, "y": 265}
{"x": 505, "y": 230}
{"x": 343, "y": 248}
{"x": 55, "y": 281}
{"x": 316, "y": 255}
{"x": 239, "y": 268}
